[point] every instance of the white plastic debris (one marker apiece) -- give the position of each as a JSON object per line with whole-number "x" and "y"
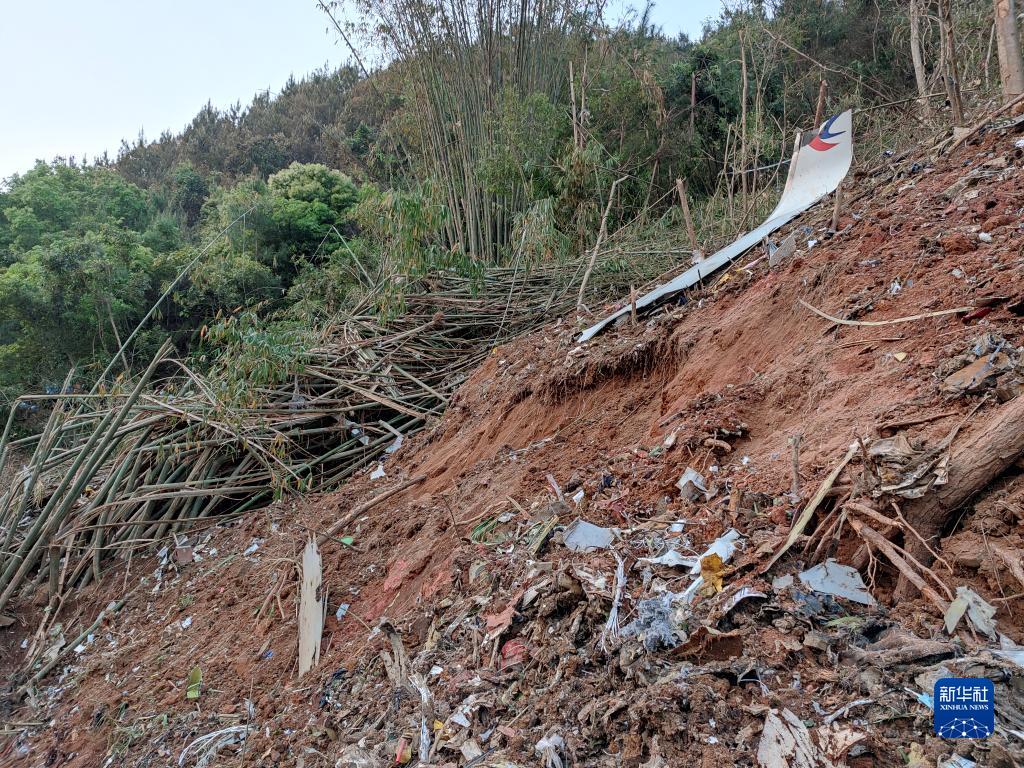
{"x": 582, "y": 536}
{"x": 578, "y": 497}
{"x": 186, "y": 622}
{"x": 342, "y": 610}
{"x": 725, "y": 547}
{"x": 378, "y": 473}
{"x": 420, "y": 683}
{"x": 550, "y": 749}
{"x": 692, "y": 484}
{"x": 832, "y": 578}
{"x": 395, "y": 445}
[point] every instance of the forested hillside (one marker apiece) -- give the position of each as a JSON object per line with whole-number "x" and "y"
{"x": 490, "y": 142}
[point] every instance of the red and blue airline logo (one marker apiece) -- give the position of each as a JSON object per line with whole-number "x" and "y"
{"x": 821, "y": 142}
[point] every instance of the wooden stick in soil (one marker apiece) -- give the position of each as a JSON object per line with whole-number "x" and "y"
{"x": 837, "y": 208}
{"x": 794, "y": 444}
{"x": 805, "y": 517}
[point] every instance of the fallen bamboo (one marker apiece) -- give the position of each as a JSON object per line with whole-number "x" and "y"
{"x": 121, "y": 470}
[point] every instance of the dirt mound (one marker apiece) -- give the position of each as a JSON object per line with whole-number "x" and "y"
{"x": 460, "y": 623}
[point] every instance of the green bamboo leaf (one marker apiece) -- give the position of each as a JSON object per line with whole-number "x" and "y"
{"x": 195, "y": 682}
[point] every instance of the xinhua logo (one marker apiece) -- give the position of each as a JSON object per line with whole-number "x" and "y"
{"x": 964, "y": 708}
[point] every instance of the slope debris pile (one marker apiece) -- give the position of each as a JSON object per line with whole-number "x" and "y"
{"x": 732, "y": 532}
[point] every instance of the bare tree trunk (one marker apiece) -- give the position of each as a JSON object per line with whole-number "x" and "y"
{"x": 819, "y": 110}
{"x": 952, "y": 69}
{"x": 743, "y": 118}
{"x": 1011, "y": 67}
{"x": 572, "y": 99}
{"x": 693, "y": 101}
{"x": 920, "y": 75}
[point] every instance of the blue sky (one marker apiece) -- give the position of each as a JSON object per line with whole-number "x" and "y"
{"x": 80, "y": 76}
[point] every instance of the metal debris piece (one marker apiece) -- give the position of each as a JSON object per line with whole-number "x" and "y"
{"x": 978, "y": 612}
{"x": 1010, "y": 651}
{"x": 205, "y": 748}
{"x": 582, "y": 536}
{"x": 311, "y": 609}
{"x": 741, "y": 594}
{"x": 812, "y": 175}
{"x": 977, "y": 376}
{"x": 692, "y": 485}
{"x": 832, "y": 578}
{"x": 784, "y": 251}
{"x": 673, "y": 559}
